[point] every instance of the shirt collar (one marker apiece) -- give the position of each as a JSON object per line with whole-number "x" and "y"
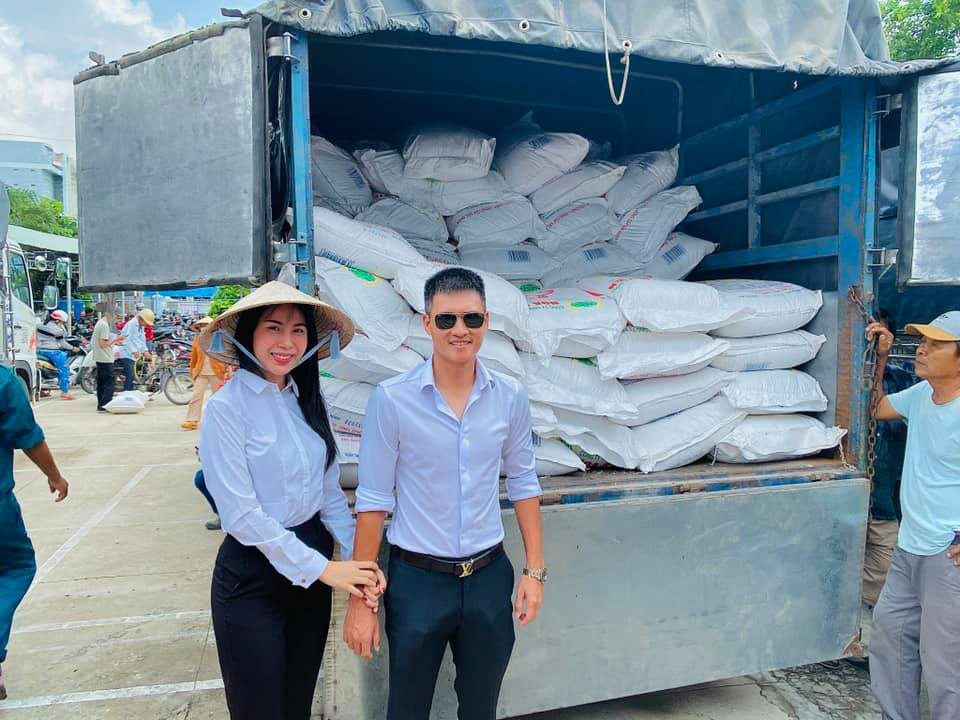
{"x": 483, "y": 379}
{"x": 259, "y": 384}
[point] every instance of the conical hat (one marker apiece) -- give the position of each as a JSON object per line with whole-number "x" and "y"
{"x": 199, "y": 324}
{"x": 328, "y": 319}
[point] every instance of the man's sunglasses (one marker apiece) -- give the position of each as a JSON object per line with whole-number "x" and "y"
{"x": 445, "y": 321}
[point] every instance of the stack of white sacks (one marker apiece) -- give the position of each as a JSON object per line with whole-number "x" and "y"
{"x": 625, "y": 364}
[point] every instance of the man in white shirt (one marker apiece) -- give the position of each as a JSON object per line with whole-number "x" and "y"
{"x": 434, "y": 440}
{"x": 134, "y": 345}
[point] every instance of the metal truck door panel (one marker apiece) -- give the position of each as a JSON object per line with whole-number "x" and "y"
{"x": 171, "y": 168}
{"x": 929, "y": 232}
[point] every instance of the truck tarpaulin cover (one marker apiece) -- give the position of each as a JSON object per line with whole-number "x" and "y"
{"x": 822, "y": 37}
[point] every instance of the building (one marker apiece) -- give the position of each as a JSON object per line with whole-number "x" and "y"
{"x": 36, "y": 167}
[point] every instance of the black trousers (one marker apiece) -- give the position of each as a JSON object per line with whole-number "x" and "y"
{"x": 105, "y": 381}
{"x": 426, "y": 610}
{"x": 270, "y": 633}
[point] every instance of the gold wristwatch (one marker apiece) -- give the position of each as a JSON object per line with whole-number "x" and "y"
{"x": 536, "y": 573}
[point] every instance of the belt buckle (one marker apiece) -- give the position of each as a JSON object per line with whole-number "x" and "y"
{"x": 465, "y": 569}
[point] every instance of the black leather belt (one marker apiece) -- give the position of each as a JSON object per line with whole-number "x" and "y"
{"x": 461, "y": 568}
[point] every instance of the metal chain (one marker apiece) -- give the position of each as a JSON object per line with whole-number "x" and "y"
{"x": 870, "y": 382}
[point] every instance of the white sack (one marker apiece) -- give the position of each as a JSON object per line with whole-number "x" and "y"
{"x": 643, "y": 229}
{"x": 575, "y": 385}
{"x": 362, "y": 360}
{"x": 678, "y": 256}
{"x": 598, "y": 151}
{"x": 591, "y": 179}
{"x": 128, "y": 402}
{"x": 406, "y": 219}
{"x": 370, "y": 301}
{"x": 336, "y": 177}
{"x": 580, "y": 223}
{"x": 505, "y": 303}
{"x": 436, "y": 252}
{"x": 448, "y": 153}
{"x": 686, "y": 437}
{"x": 772, "y": 392}
{"x": 764, "y": 438}
{"x": 374, "y": 163}
{"x": 667, "y": 305}
{"x": 511, "y": 263}
{"x": 597, "y": 259}
{"x": 508, "y": 221}
{"x": 555, "y": 458}
{"x": 497, "y": 352}
{"x": 646, "y": 175}
{"x": 531, "y": 162}
{"x": 346, "y": 402}
{"x": 357, "y": 244}
{"x": 348, "y": 455}
{"x": 594, "y": 439}
{"x": 659, "y": 397}
{"x": 585, "y": 322}
{"x": 769, "y": 352}
{"x": 775, "y": 307}
{"x": 639, "y": 353}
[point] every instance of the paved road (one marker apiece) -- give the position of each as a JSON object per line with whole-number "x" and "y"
{"x": 117, "y": 624}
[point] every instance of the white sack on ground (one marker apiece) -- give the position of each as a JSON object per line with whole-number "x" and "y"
{"x": 601, "y": 258}
{"x": 348, "y": 455}
{"x": 667, "y": 305}
{"x": 646, "y": 175}
{"x": 589, "y": 180}
{"x": 370, "y": 301}
{"x": 406, "y": 219}
{"x": 775, "y": 307}
{"x": 336, "y": 177}
{"x": 128, "y": 402}
{"x": 769, "y": 352}
{"x": 507, "y": 221}
{"x": 436, "y": 252}
{"x": 594, "y": 439}
{"x": 516, "y": 262}
{"x": 364, "y": 361}
{"x": 678, "y": 256}
{"x": 686, "y": 437}
{"x": 570, "y": 320}
{"x": 532, "y": 161}
{"x": 376, "y": 249}
{"x": 639, "y": 353}
{"x": 643, "y": 229}
{"x": 555, "y": 458}
{"x": 448, "y": 153}
{"x": 505, "y": 303}
{"x": 774, "y": 392}
{"x": 580, "y": 223}
{"x": 575, "y": 385}
{"x": 765, "y": 438}
{"x": 346, "y": 402}
{"x": 497, "y": 352}
{"x": 659, "y": 397}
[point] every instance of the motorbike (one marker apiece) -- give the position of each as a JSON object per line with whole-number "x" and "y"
{"x": 50, "y": 377}
{"x": 166, "y": 373}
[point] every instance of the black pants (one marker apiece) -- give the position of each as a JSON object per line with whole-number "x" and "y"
{"x": 105, "y": 382}
{"x": 270, "y": 633}
{"x": 425, "y": 611}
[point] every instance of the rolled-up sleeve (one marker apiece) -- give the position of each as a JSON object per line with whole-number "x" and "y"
{"x": 335, "y": 511}
{"x": 228, "y": 479}
{"x": 519, "y": 462}
{"x": 379, "y": 449}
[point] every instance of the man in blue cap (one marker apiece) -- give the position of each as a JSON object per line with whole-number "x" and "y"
{"x": 18, "y": 430}
{"x": 919, "y": 607}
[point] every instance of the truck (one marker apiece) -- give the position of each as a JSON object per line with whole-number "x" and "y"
{"x": 660, "y": 580}
{"x": 18, "y": 331}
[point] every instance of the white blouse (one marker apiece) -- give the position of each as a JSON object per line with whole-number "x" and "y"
{"x": 266, "y": 469}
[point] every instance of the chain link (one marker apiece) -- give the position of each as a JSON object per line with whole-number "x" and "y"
{"x": 870, "y": 382}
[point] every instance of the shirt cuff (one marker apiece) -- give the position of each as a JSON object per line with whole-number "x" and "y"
{"x": 311, "y": 573}
{"x": 29, "y": 440}
{"x": 374, "y": 501}
{"x": 524, "y": 487}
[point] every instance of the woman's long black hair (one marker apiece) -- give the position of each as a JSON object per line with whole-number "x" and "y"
{"x": 307, "y": 375}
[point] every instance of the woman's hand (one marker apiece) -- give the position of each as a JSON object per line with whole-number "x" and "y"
{"x": 359, "y": 578}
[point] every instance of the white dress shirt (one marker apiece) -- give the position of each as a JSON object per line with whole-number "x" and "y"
{"x": 266, "y": 469}
{"x": 439, "y": 475}
{"x": 136, "y": 339}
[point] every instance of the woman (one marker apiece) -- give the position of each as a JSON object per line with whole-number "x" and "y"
{"x": 269, "y": 461}
{"x": 206, "y": 373}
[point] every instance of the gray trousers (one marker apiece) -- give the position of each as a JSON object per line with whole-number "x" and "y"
{"x": 916, "y": 626}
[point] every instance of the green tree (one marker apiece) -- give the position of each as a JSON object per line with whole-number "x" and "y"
{"x": 921, "y": 28}
{"x": 39, "y": 213}
{"x": 225, "y": 297}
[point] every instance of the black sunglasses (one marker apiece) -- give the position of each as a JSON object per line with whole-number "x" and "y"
{"x": 445, "y": 321}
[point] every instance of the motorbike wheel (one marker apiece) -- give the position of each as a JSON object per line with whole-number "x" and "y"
{"x": 178, "y": 387}
{"x": 88, "y": 380}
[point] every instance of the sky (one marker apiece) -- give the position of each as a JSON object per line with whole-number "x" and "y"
{"x": 44, "y": 43}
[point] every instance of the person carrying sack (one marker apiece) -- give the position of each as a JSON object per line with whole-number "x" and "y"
{"x": 206, "y": 373}
{"x": 269, "y": 460}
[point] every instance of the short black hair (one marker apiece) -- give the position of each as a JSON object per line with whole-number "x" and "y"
{"x": 452, "y": 280}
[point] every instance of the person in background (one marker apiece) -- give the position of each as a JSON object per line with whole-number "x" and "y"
{"x": 919, "y": 606}
{"x": 18, "y": 431}
{"x": 147, "y": 329}
{"x": 200, "y": 483}
{"x": 102, "y": 343}
{"x": 134, "y": 345}
{"x": 52, "y": 346}
{"x": 207, "y": 374}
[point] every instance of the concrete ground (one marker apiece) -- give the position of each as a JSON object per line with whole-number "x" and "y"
{"x": 117, "y": 623}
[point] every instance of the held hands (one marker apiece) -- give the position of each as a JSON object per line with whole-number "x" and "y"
{"x": 362, "y": 579}
{"x": 59, "y": 486}
{"x": 361, "y": 629}
{"x": 529, "y": 599}
{"x": 882, "y": 334}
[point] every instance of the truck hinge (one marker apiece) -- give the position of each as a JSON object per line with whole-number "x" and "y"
{"x": 282, "y": 46}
